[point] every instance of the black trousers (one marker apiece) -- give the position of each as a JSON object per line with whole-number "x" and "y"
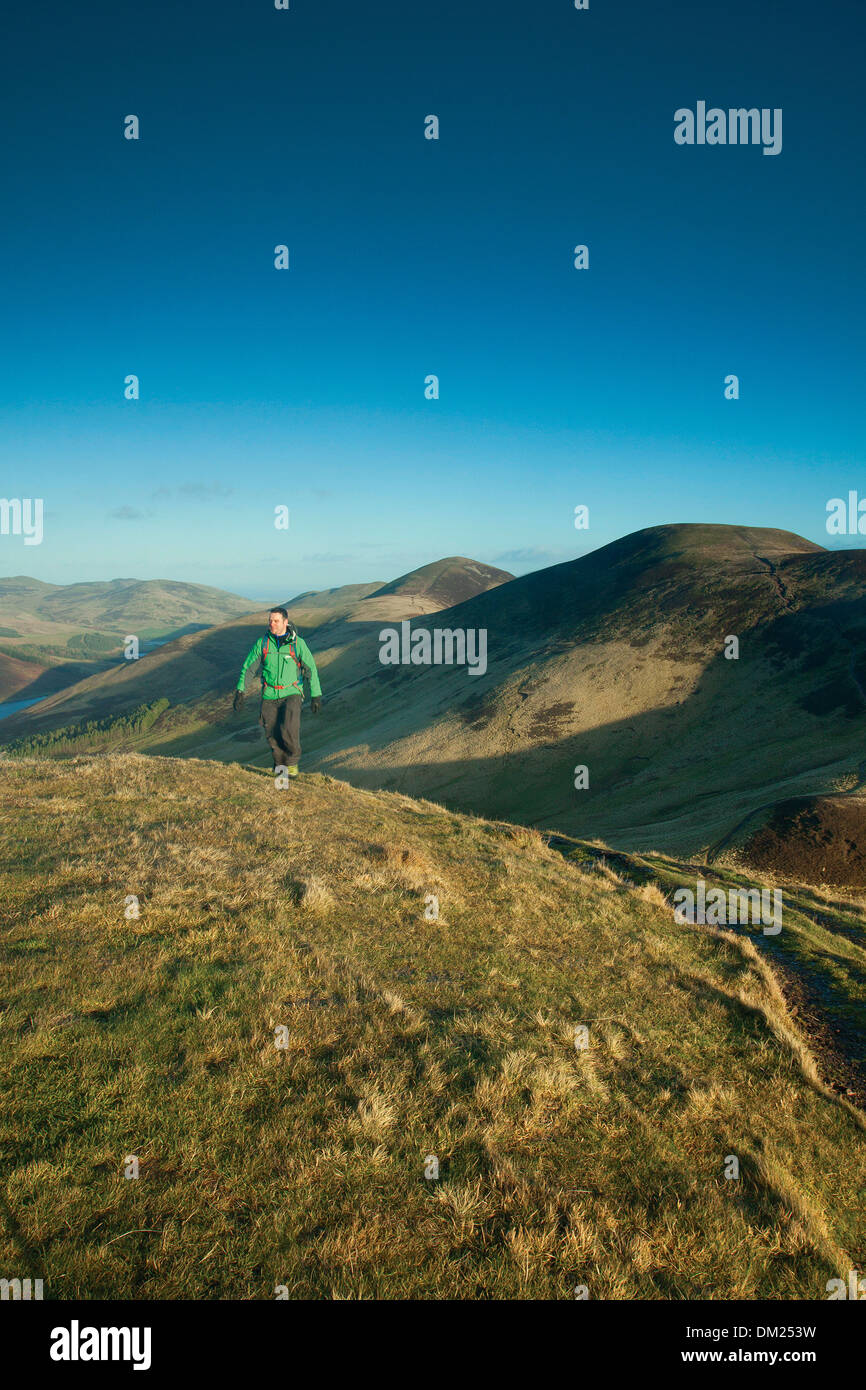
{"x": 281, "y": 721}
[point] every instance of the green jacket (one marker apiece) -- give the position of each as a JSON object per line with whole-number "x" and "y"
{"x": 281, "y": 674}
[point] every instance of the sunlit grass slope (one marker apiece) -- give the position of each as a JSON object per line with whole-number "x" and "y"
{"x": 304, "y": 1166}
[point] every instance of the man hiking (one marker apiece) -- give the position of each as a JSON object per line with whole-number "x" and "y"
{"x": 285, "y": 659}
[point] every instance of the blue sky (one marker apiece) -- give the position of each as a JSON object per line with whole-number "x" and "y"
{"x": 409, "y": 257}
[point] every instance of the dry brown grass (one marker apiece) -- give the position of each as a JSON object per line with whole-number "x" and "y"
{"x": 303, "y": 1164}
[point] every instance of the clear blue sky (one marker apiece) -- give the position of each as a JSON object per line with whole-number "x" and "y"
{"x": 410, "y": 257}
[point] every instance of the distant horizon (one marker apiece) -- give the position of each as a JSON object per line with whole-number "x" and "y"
{"x": 825, "y": 544}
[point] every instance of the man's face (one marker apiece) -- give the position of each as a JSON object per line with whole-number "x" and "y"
{"x": 277, "y": 624}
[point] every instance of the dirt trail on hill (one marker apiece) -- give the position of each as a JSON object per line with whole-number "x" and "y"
{"x": 833, "y": 1037}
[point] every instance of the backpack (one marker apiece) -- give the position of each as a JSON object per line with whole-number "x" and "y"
{"x": 302, "y": 669}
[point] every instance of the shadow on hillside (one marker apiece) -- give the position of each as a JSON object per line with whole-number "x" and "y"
{"x": 797, "y": 685}
{"x": 753, "y": 730}
{"x": 55, "y": 679}
{"x": 187, "y": 667}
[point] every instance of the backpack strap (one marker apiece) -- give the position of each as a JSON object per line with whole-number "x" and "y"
{"x": 264, "y": 654}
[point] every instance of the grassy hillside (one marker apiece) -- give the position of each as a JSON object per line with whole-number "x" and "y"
{"x": 16, "y": 673}
{"x": 615, "y": 662}
{"x": 427, "y": 589}
{"x": 159, "y": 604}
{"x": 304, "y": 1165}
{"x": 94, "y": 735}
{"x": 446, "y": 582}
{"x": 54, "y": 635}
{"x": 198, "y": 664}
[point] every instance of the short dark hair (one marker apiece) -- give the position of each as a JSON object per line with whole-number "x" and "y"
{"x": 284, "y": 612}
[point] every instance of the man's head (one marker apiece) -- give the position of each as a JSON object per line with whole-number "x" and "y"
{"x": 278, "y": 621}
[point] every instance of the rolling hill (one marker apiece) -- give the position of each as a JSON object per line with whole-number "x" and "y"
{"x": 53, "y": 635}
{"x": 445, "y": 583}
{"x": 200, "y": 663}
{"x": 360, "y": 1046}
{"x": 618, "y": 662}
{"x": 135, "y": 604}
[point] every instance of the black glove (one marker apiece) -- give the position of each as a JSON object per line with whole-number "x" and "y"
{"x": 316, "y": 704}
{"x": 238, "y": 702}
